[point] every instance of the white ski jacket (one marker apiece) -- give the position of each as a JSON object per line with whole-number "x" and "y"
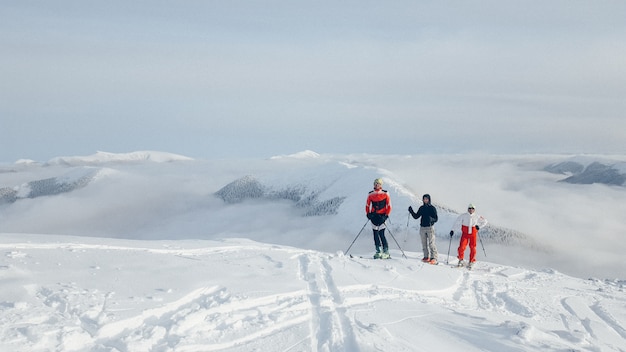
{"x": 468, "y": 222}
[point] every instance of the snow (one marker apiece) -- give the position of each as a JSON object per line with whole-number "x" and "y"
{"x": 144, "y": 255}
{"x": 104, "y": 157}
{"x": 305, "y": 154}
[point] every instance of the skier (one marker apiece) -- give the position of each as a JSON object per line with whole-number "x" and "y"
{"x": 469, "y": 223}
{"x": 377, "y": 208}
{"x": 428, "y": 214}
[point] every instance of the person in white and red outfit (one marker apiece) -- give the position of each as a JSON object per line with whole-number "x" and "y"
{"x": 469, "y": 223}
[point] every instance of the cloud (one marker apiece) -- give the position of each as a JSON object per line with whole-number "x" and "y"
{"x": 515, "y": 192}
{"x": 574, "y": 228}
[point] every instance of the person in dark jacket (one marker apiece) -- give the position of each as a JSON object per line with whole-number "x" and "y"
{"x": 428, "y": 214}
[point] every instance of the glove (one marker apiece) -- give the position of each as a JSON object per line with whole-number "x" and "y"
{"x": 411, "y": 209}
{"x": 369, "y": 215}
{"x": 477, "y": 228}
{"x": 451, "y": 233}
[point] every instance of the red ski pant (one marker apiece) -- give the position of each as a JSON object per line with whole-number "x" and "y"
{"x": 465, "y": 239}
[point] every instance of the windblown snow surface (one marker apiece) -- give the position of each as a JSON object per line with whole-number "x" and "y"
{"x": 164, "y": 253}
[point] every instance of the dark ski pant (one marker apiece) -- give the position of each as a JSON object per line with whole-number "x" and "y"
{"x": 380, "y": 240}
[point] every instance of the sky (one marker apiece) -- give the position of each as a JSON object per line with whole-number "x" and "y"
{"x": 211, "y": 79}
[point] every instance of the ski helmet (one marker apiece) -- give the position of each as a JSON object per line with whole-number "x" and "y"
{"x": 471, "y": 206}
{"x": 378, "y": 181}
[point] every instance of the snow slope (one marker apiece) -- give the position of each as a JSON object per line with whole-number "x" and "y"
{"x": 247, "y": 255}
{"x": 81, "y": 294}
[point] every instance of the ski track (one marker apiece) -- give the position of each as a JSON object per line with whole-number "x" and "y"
{"x": 594, "y": 321}
{"x": 321, "y": 317}
{"x": 585, "y": 320}
{"x": 331, "y": 329}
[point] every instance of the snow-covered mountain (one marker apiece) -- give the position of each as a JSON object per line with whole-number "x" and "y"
{"x": 590, "y": 170}
{"x": 152, "y": 251}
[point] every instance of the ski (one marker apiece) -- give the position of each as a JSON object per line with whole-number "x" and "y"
{"x": 362, "y": 257}
{"x": 467, "y": 267}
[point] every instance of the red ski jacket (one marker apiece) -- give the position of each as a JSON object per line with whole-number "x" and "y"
{"x": 378, "y": 201}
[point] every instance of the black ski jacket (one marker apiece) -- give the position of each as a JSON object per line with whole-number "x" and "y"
{"x": 428, "y": 213}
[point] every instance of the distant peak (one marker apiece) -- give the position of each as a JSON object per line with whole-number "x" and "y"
{"x": 25, "y": 162}
{"x": 104, "y": 157}
{"x": 306, "y": 154}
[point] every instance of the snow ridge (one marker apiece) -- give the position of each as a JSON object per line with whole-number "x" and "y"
{"x": 68, "y": 182}
{"x": 104, "y": 157}
{"x": 590, "y": 173}
{"x": 248, "y": 187}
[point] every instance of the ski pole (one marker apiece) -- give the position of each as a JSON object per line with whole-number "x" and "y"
{"x": 482, "y": 245}
{"x": 357, "y": 236}
{"x": 394, "y": 238}
{"x": 406, "y": 237}
{"x": 449, "y": 245}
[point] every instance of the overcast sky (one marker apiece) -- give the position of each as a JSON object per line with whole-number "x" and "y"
{"x": 219, "y": 79}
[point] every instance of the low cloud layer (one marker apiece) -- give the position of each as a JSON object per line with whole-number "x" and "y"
{"x": 575, "y": 228}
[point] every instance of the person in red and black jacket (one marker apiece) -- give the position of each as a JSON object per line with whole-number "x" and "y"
{"x": 377, "y": 208}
